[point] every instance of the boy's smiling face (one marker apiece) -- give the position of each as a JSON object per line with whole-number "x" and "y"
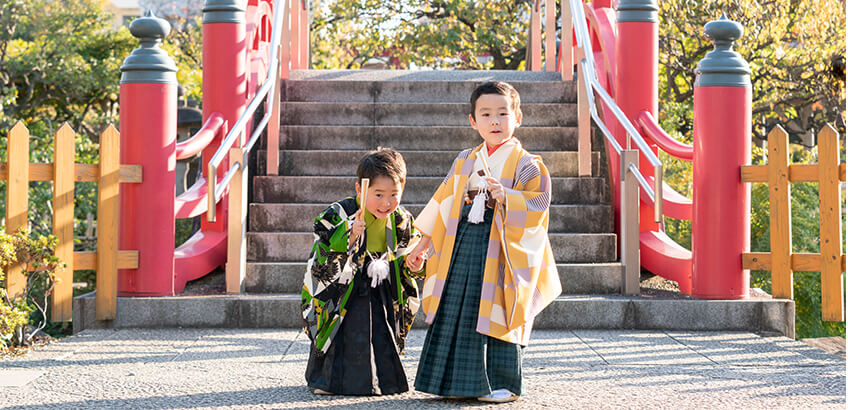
{"x": 494, "y": 119}
{"x": 383, "y": 196}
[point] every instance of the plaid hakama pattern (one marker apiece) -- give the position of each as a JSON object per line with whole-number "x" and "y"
{"x": 520, "y": 276}
{"x": 457, "y": 360}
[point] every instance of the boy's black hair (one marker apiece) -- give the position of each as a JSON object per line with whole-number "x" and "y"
{"x": 382, "y": 162}
{"x": 496, "y": 87}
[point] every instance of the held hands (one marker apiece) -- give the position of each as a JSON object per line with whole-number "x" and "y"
{"x": 496, "y": 190}
{"x": 416, "y": 259}
{"x": 415, "y": 262}
{"x": 356, "y": 228}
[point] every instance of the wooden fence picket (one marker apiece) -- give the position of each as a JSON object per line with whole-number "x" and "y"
{"x": 108, "y": 206}
{"x": 64, "y": 172}
{"x": 63, "y": 222}
{"x": 830, "y": 229}
{"x": 780, "y": 214}
{"x": 830, "y": 262}
{"x": 17, "y": 198}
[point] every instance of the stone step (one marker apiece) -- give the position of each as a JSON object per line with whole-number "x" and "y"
{"x": 350, "y": 91}
{"x": 761, "y": 315}
{"x": 299, "y": 217}
{"x": 418, "y": 163}
{"x": 424, "y": 75}
{"x": 422, "y": 114}
{"x": 576, "y": 278}
{"x": 295, "y": 247}
{"x": 321, "y": 189}
{"x": 412, "y": 138}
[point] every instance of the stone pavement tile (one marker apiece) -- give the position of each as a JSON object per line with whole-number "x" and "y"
{"x": 17, "y": 377}
{"x": 126, "y": 351}
{"x": 634, "y": 347}
{"x": 142, "y": 379}
{"x": 561, "y": 371}
{"x": 690, "y": 386}
{"x": 129, "y": 346}
{"x": 559, "y": 349}
{"x": 58, "y": 351}
{"x": 240, "y": 345}
{"x": 806, "y": 387}
{"x": 744, "y": 349}
{"x": 808, "y": 350}
{"x": 295, "y": 358}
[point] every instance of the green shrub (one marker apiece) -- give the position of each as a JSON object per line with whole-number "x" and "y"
{"x": 12, "y": 319}
{"x": 36, "y": 254}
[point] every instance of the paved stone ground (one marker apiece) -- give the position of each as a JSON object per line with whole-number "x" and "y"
{"x": 263, "y": 368}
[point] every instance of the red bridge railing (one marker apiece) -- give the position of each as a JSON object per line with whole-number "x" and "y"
{"x": 247, "y": 51}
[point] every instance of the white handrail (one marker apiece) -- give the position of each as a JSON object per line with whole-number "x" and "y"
{"x": 642, "y": 181}
{"x": 593, "y": 87}
{"x": 267, "y": 90}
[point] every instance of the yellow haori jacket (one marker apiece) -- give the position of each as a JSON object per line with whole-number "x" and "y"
{"x": 520, "y": 276}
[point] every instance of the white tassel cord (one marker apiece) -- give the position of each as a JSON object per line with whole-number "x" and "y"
{"x": 478, "y": 206}
{"x": 378, "y": 270}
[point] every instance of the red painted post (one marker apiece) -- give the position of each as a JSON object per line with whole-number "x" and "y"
{"x": 296, "y": 41}
{"x": 224, "y": 80}
{"x": 602, "y": 3}
{"x": 148, "y": 124}
{"x": 304, "y": 35}
{"x": 636, "y": 76}
{"x": 721, "y": 203}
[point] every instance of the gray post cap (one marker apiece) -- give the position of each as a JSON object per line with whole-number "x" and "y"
{"x": 149, "y": 63}
{"x": 637, "y": 10}
{"x": 723, "y": 67}
{"x": 223, "y": 11}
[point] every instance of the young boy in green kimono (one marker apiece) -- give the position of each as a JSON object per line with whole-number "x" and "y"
{"x": 358, "y": 297}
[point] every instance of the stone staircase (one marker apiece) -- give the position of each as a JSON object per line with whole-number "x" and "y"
{"x": 330, "y": 124}
{"x": 331, "y": 118}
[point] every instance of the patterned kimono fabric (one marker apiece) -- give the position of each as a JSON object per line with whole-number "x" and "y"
{"x": 478, "y": 329}
{"x": 457, "y": 360}
{"x": 357, "y": 331}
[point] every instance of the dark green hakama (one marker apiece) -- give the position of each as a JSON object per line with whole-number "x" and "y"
{"x": 357, "y": 332}
{"x": 457, "y": 360}
{"x": 364, "y": 358}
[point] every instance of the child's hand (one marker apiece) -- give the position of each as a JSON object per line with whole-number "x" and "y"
{"x": 496, "y": 190}
{"x": 356, "y": 228}
{"x": 415, "y": 262}
{"x": 415, "y": 259}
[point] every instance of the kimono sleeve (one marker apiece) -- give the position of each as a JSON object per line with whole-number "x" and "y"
{"x": 426, "y": 220}
{"x": 330, "y": 249}
{"x": 528, "y": 202}
{"x": 532, "y": 280}
{"x": 407, "y": 235}
{"x": 407, "y": 238}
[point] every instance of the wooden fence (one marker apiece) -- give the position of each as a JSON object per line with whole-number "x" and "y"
{"x": 64, "y": 172}
{"x": 781, "y": 260}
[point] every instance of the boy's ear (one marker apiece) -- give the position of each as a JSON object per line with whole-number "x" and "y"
{"x": 471, "y": 120}
{"x": 518, "y": 116}
{"x": 358, "y": 190}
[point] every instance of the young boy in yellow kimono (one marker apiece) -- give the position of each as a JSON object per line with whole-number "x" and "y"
{"x": 491, "y": 269}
